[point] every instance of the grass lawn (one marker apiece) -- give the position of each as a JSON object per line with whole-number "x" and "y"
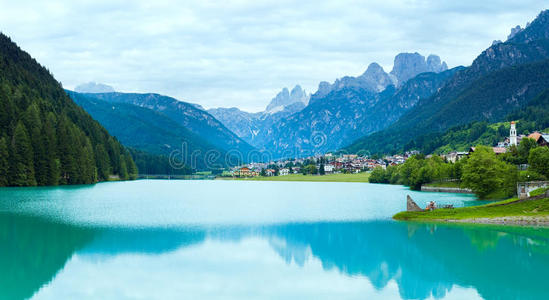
{"x": 360, "y": 177}
{"x": 512, "y": 207}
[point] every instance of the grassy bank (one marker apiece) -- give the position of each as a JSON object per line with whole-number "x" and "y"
{"x": 534, "y": 209}
{"x": 360, "y": 177}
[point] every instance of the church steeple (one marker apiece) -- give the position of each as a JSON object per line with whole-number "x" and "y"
{"x": 513, "y": 134}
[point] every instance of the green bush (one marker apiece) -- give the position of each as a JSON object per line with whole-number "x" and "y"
{"x": 539, "y": 160}
{"x": 485, "y": 174}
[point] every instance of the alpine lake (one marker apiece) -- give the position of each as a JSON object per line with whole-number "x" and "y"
{"x": 210, "y": 239}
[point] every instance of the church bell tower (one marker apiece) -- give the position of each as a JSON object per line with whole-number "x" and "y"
{"x": 513, "y": 134}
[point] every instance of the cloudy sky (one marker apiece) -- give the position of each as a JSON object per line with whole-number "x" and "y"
{"x": 241, "y": 53}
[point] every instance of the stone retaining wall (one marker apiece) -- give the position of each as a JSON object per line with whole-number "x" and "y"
{"x": 445, "y": 190}
{"x": 524, "y": 188}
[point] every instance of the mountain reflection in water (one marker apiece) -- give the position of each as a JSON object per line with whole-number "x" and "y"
{"x": 424, "y": 260}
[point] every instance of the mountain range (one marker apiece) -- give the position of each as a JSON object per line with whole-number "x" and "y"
{"x": 377, "y": 111}
{"x": 340, "y": 112}
{"x": 504, "y": 77}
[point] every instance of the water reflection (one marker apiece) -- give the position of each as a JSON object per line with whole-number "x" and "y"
{"x": 424, "y": 260}
{"x": 32, "y": 251}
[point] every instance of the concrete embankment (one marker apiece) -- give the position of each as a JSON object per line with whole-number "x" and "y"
{"x": 445, "y": 189}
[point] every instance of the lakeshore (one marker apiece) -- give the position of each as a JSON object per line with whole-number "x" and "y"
{"x": 530, "y": 211}
{"x": 339, "y": 177}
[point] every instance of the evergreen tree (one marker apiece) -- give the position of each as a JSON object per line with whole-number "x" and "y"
{"x": 131, "y": 167}
{"x": 103, "y": 162}
{"x": 22, "y": 165}
{"x": 123, "y": 173}
{"x": 89, "y": 170}
{"x": 114, "y": 153}
{"x": 4, "y": 162}
{"x": 50, "y": 140}
{"x": 68, "y": 152}
{"x": 32, "y": 121}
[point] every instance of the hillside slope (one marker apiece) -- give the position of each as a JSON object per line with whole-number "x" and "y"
{"x": 501, "y": 79}
{"x": 337, "y": 118}
{"x": 45, "y": 138}
{"x": 186, "y": 115}
{"x": 150, "y": 131}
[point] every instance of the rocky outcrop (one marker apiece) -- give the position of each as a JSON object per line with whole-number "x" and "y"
{"x": 408, "y": 65}
{"x": 536, "y": 30}
{"x": 411, "y": 205}
{"x": 285, "y": 98}
{"x": 254, "y": 127}
{"x": 514, "y": 32}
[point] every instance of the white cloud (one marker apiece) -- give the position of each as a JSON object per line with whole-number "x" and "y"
{"x": 241, "y": 53}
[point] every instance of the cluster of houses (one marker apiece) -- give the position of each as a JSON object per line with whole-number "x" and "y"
{"x": 352, "y": 163}
{"x": 330, "y": 163}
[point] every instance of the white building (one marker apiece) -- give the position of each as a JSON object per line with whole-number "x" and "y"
{"x": 329, "y": 168}
{"x": 513, "y": 134}
{"x": 283, "y": 172}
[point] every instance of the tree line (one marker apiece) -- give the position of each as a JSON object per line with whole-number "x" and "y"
{"x": 488, "y": 175}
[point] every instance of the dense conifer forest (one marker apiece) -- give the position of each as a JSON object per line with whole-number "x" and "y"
{"x": 45, "y": 138}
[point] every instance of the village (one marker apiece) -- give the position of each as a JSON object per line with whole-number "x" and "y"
{"x": 334, "y": 163}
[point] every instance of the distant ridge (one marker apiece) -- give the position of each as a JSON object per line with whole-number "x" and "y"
{"x": 92, "y": 87}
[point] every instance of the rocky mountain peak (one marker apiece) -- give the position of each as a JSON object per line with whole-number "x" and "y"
{"x": 324, "y": 88}
{"x": 93, "y": 87}
{"x": 435, "y": 65}
{"x": 514, "y": 32}
{"x": 285, "y": 98}
{"x": 408, "y": 65}
{"x": 374, "y": 68}
{"x": 376, "y": 78}
{"x": 298, "y": 95}
{"x": 536, "y": 30}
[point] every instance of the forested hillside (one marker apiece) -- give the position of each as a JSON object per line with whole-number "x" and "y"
{"x": 45, "y": 138}
{"x": 153, "y": 132}
{"x": 533, "y": 117}
{"x": 186, "y": 115}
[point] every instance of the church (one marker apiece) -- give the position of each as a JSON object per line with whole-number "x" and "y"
{"x": 542, "y": 139}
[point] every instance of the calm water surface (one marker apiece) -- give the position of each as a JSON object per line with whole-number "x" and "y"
{"x": 257, "y": 240}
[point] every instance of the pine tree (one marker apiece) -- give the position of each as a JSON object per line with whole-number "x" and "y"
{"x": 53, "y": 163}
{"x": 123, "y": 169}
{"x": 114, "y": 153}
{"x": 67, "y": 148}
{"x": 4, "y": 162}
{"x": 88, "y": 162}
{"x": 32, "y": 121}
{"x": 130, "y": 165}
{"x": 22, "y": 165}
{"x": 103, "y": 162}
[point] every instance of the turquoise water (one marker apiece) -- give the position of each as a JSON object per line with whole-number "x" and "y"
{"x": 256, "y": 240}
